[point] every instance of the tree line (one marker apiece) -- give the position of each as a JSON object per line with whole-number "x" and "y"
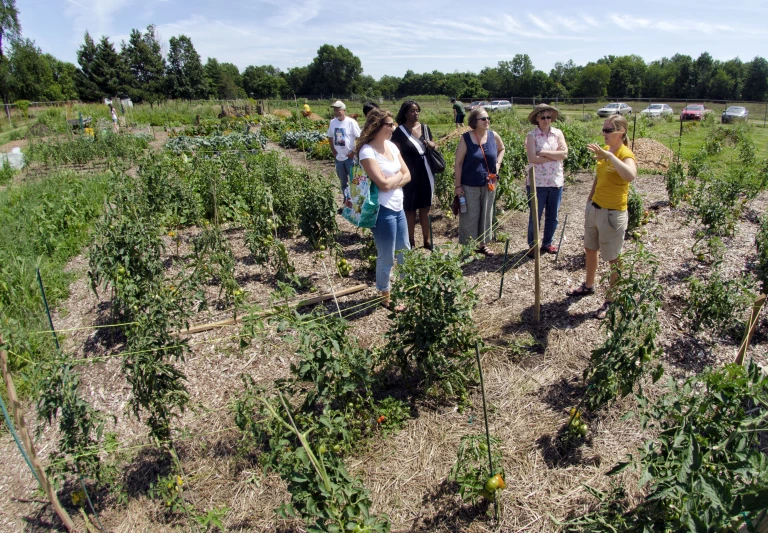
{"x": 141, "y": 70}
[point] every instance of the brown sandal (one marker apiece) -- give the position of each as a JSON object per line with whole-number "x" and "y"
{"x": 602, "y": 311}
{"x": 485, "y": 251}
{"x": 581, "y": 290}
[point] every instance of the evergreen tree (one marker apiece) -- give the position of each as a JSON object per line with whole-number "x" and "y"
{"x": 184, "y": 74}
{"x": 87, "y": 88}
{"x": 107, "y": 69}
{"x": 144, "y": 58}
{"x": 212, "y": 72}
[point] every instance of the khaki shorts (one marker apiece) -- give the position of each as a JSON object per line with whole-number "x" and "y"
{"x": 604, "y": 230}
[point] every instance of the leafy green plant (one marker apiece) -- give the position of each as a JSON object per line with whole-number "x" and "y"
{"x": 6, "y": 173}
{"x": 761, "y": 244}
{"x": 80, "y": 425}
{"x": 217, "y": 143}
{"x": 23, "y": 107}
{"x": 470, "y": 471}
{"x": 704, "y": 469}
{"x": 434, "y": 331}
{"x": 212, "y": 519}
{"x": 216, "y": 264}
{"x": 634, "y": 209}
{"x": 317, "y": 213}
{"x": 675, "y": 183}
{"x": 617, "y": 366}
{"x": 169, "y": 490}
{"x": 718, "y": 305}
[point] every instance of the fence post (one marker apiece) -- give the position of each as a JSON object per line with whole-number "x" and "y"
{"x": 766, "y": 114}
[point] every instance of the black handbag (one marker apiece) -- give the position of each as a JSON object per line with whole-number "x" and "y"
{"x": 435, "y": 158}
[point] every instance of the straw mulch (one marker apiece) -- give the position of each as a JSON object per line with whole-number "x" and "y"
{"x": 652, "y": 155}
{"x": 529, "y": 389}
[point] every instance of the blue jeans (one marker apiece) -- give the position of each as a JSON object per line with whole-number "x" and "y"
{"x": 548, "y": 199}
{"x": 343, "y": 168}
{"x": 390, "y": 234}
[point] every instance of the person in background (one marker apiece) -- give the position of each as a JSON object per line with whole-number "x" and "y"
{"x": 478, "y": 158}
{"x": 412, "y": 138}
{"x": 458, "y": 113}
{"x": 343, "y": 131}
{"x": 605, "y": 218}
{"x": 368, "y": 107}
{"x": 112, "y": 112}
{"x": 382, "y": 162}
{"x": 546, "y": 150}
{"x": 307, "y": 110}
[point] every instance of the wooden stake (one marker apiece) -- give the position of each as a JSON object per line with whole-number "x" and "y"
{"x": 756, "y": 307}
{"x": 536, "y": 249}
{"x": 21, "y": 428}
{"x": 301, "y": 303}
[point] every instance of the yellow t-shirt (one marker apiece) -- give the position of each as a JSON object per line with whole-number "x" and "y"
{"x": 611, "y": 190}
{"x": 307, "y": 109}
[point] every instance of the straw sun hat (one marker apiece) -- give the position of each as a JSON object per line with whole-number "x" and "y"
{"x": 538, "y": 109}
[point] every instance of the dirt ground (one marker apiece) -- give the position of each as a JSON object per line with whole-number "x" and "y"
{"x": 529, "y": 390}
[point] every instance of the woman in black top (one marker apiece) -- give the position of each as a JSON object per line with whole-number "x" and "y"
{"x": 412, "y": 138}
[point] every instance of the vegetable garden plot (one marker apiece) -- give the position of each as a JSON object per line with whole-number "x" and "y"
{"x": 530, "y": 391}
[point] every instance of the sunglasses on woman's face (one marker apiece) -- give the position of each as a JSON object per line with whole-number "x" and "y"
{"x": 486, "y": 119}
{"x": 389, "y": 124}
{"x": 546, "y": 118}
{"x": 609, "y": 130}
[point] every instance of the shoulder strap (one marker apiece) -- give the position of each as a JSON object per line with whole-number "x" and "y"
{"x": 416, "y": 142}
{"x": 482, "y": 150}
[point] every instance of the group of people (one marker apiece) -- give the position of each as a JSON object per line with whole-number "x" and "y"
{"x": 393, "y": 151}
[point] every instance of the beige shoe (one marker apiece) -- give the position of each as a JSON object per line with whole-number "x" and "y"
{"x": 384, "y": 299}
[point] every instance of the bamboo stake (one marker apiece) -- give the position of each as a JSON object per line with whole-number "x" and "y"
{"x": 536, "y": 249}
{"x": 562, "y": 234}
{"x": 504, "y": 267}
{"x": 301, "y": 303}
{"x": 756, "y": 307}
{"x": 21, "y": 427}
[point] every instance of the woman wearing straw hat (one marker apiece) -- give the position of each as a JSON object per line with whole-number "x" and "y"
{"x": 605, "y": 218}
{"x": 478, "y": 158}
{"x": 546, "y": 149}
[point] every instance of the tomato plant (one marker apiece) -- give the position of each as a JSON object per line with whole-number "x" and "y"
{"x": 215, "y": 263}
{"x": 435, "y": 331}
{"x": 470, "y": 471}
{"x": 617, "y": 366}
{"x": 704, "y": 470}
{"x": 675, "y": 183}
{"x": 719, "y": 305}
{"x": 761, "y": 244}
{"x": 317, "y": 213}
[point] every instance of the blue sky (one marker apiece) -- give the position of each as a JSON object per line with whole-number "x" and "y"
{"x": 392, "y": 37}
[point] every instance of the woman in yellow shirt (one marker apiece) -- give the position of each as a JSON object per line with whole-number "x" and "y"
{"x": 605, "y": 218}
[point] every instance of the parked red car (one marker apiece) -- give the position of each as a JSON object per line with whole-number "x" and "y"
{"x": 693, "y": 112}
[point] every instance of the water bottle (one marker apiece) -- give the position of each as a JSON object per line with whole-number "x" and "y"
{"x": 462, "y": 204}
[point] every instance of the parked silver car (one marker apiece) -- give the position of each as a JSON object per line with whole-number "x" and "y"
{"x": 657, "y": 110}
{"x": 734, "y": 112}
{"x": 499, "y": 105}
{"x": 615, "y": 108}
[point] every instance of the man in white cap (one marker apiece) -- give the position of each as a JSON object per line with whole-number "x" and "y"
{"x": 343, "y": 132}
